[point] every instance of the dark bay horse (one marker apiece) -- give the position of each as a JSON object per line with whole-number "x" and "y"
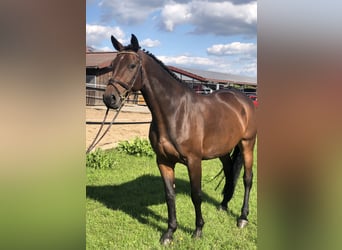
{"x": 187, "y": 128}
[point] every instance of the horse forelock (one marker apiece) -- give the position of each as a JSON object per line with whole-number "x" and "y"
{"x": 129, "y": 47}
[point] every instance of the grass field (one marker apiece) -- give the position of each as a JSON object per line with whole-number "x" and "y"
{"x": 126, "y": 209}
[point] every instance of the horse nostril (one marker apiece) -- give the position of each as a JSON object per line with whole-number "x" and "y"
{"x": 111, "y": 100}
{"x": 107, "y": 99}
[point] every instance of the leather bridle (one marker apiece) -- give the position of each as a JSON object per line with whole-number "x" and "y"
{"x": 128, "y": 87}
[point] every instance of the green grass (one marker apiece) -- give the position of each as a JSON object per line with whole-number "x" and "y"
{"x": 126, "y": 209}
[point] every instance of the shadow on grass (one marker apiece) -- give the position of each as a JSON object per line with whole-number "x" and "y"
{"x": 134, "y": 198}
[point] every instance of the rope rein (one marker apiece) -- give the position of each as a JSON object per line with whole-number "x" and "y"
{"x": 94, "y": 143}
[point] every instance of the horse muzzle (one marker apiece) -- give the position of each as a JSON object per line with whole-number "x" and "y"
{"x": 112, "y": 101}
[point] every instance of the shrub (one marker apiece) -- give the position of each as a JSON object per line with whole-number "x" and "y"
{"x": 138, "y": 147}
{"x": 100, "y": 159}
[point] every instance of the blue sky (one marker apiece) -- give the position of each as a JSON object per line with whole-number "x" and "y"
{"x": 209, "y": 35}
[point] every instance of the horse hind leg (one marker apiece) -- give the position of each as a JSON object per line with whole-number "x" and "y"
{"x": 232, "y": 167}
{"x": 247, "y": 147}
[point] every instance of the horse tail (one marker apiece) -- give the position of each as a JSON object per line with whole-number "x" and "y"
{"x": 233, "y": 174}
{"x": 237, "y": 163}
{"x": 236, "y": 153}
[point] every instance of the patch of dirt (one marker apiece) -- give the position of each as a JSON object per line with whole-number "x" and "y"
{"x": 117, "y": 132}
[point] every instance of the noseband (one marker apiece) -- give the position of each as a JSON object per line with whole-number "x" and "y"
{"x": 130, "y": 85}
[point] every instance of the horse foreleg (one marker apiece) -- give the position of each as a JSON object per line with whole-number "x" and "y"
{"x": 167, "y": 173}
{"x": 195, "y": 175}
{"x": 247, "y": 152}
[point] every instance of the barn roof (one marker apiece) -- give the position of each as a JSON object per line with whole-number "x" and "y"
{"x": 187, "y": 73}
{"x": 101, "y": 60}
{"x": 218, "y": 77}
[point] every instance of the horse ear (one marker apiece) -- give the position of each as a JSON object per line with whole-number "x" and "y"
{"x": 117, "y": 45}
{"x": 135, "y": 43}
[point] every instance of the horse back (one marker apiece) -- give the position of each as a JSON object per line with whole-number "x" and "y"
{"x": 238, "y": 106}
{"x": 228, "y": 116}
{"x": 207, "y": 126}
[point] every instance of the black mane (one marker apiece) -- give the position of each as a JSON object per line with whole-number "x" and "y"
{"x": 166, "y": 68}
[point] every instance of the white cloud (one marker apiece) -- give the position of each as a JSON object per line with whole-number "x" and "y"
{"x": 215, "y": 17}
{"x": 220, "y": 18}
{"x": 128, "y": 12}
{"x": 216, "y": 64}
{"x": 233, "y": 48}
{"x": 186, "y": 60}
{"x": 105, "y": 48}
{"x": 250, "y": 69}
{"x": 234, "y": 68}
{"x": 173, "y": 14}
{"x": 149, "y": 43}
{"x": 225, "y": 18}
{"x": 242, "y": 57}
{"x": 96, "y": 35}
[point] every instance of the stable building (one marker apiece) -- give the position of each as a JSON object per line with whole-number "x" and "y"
{"x": 99, "y": 69}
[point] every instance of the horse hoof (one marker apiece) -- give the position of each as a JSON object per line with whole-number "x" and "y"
{"x": 197, "y": 234}
{"x": 166, "y": 242}
{"x": 241, "y": 223}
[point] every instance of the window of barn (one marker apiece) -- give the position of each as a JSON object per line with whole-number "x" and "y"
{"x": 91, "y": 80}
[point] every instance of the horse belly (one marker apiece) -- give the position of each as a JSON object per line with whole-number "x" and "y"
{"x": 215, "y": 146}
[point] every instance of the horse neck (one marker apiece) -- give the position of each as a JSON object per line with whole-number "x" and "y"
{"x": 162, "y": 92}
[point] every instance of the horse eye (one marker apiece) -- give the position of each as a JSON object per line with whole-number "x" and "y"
{"x": 132, "y": 66}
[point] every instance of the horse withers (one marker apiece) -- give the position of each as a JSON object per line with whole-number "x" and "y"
{"x": 187, "y": 128}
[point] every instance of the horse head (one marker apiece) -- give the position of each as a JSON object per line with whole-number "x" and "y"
{"x": 126, "y": 75}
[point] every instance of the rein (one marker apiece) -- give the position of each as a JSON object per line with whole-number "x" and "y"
{"x": 94, "y": 142}
{"x": 123, "y": 97}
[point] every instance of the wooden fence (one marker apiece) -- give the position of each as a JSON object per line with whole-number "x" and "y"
{"x": 94, "y": 97}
